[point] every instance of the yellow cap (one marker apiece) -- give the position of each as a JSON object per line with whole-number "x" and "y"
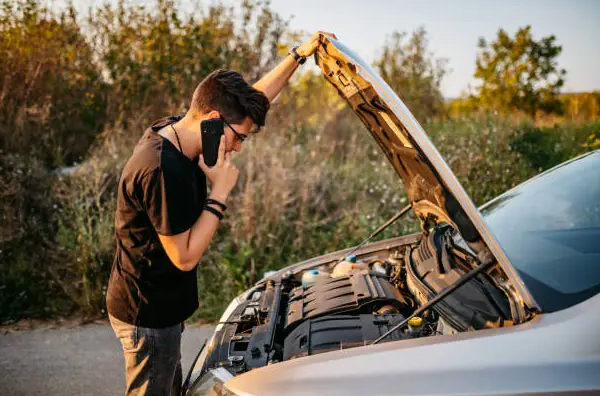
{"x": 415, "y": 322}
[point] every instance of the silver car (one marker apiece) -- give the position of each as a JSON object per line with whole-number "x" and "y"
{"x": 503, "y": 300}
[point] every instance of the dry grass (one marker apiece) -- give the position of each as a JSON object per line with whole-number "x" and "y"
{"x": 302, "y": 192}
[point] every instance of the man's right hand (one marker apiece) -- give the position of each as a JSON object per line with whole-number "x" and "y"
{"x": 223, "y": 175}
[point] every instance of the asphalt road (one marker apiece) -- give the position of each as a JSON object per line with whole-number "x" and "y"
{"x": 84, "y": 360}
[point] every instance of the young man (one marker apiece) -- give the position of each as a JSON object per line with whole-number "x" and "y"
{"x": 164, "y": 221}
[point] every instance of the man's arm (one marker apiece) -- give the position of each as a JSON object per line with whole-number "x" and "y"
{"x": 274, "y": 81}
{"x": 186, "y": 249}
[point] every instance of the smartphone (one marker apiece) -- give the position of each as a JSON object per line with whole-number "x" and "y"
{"x": 211, "y": 131}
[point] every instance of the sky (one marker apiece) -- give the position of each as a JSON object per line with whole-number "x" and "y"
{"x": 453, "y": 28}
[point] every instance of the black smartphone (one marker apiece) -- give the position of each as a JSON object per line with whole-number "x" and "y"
{"x": 211, "y": 131}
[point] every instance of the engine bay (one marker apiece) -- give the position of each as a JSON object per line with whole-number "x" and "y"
{"x": 353, "y": 301}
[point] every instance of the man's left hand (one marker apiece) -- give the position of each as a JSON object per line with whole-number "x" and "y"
{"x": 310, "y": 46}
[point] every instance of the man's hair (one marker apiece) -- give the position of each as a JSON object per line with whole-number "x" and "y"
{"x": 227, "y": 92}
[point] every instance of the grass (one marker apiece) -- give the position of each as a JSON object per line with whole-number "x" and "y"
{"x": 303, "y": 191}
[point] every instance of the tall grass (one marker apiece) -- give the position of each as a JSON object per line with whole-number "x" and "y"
{"x": 302, "y": 192}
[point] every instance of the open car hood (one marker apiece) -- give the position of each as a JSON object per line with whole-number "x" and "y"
{"x": 433, "y": 190}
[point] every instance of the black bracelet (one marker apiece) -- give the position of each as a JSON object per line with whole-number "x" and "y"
{"x": 219, "y": 204}
{"x": 214, "y": 211}
{"x": 297, "y": 57}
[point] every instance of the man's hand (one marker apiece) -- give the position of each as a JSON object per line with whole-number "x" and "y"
{"x": 186, "y": 249}
{"x": 273, "y": 82}
{"x": 223, "y": 175}
{"x": 308, "y": 48}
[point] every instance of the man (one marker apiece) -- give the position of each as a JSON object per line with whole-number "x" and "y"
{"x": 164, "y": 221}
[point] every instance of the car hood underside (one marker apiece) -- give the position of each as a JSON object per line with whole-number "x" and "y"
{"x": 434, "y": 192}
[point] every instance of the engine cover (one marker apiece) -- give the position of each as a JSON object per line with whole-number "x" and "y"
{"x": 348, "y": 294}
{"x": 337, "y": 332}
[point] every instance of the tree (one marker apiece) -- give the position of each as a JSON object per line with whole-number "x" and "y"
{"x": 52, "y": 95}
{"x": 519, "y": 73}
{"x": 155, "y": 55}
{"x": 413, "y": 72}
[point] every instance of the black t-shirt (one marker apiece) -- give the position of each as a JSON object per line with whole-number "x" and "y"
{"x": 160, "y": 190}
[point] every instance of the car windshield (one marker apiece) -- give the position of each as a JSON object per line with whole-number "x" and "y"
{"x": 549, "y": 227}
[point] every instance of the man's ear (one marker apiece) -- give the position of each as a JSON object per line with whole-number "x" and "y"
{"x": 213, "y": 114}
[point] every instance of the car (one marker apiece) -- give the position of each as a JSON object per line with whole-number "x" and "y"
{"x": 503, "y": 299}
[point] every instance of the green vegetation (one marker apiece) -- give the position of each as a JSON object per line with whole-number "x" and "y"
{"x": 79, "y": 93}
{"x": 414, "y": 73}
{"x": 520, "y": 73}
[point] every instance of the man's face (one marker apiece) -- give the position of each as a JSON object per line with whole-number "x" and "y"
{"x": 234, "y": 141}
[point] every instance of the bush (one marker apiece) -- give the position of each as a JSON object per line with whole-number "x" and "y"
{"x": 479, "y": 152}
{"x": 414, "y": 73}
{"x": 27, "y": 285}
{"x": 53, "y": 96}
{"x": 545, "y": 147}
{"x": 84, "y": 240}
{"x": 156, "y": 57}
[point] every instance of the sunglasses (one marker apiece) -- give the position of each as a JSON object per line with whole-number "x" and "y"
{"x": 240, "y": 136}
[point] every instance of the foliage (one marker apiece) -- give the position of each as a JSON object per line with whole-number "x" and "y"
{"x": 581, "y": 106}
{"x": 84, "y": 244}
{"x": 26, "y": 287}
{"x": 462, "y": 106}
{"x": 478, "y": 150}
{"x": 414, "y": 73}
{"x": 519, "y": 73}
{"x": 52, "y": 97}
{"x": 575, "y": 107}
{"x": 155, "y": 58}
{"x": 307, "y": 102}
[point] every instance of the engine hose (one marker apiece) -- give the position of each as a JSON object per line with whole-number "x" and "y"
{"x": 461, "y": 281}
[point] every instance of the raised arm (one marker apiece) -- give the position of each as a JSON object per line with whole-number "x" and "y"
{"x": 273, "y": 82}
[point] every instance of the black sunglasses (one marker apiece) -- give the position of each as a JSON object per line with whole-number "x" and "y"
{"x": 241, "y": 137}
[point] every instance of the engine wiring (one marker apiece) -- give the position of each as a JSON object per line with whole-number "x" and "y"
{"x": 443, "y": 294}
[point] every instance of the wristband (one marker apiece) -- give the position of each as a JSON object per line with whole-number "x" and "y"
{"x": 297, "y": 57}
{"x": 214, "y": 211}
{"x": 215, "y": 202}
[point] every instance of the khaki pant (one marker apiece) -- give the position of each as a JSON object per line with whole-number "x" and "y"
{"x": 152, "y": 358}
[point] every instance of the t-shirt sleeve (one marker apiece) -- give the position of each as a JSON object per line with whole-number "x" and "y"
{"x": 167, "y": 199}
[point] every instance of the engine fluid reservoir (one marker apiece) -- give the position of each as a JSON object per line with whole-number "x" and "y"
{"x": 311, "y": 276}
{"x": 379, "y": 268}
{"x": 345, "y": 267}
{"x": 415, "y": 324}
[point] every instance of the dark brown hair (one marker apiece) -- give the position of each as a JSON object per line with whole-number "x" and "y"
{"x": 227, "y": 92}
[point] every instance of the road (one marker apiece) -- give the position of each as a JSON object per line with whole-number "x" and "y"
{"x": 83, "y": 360}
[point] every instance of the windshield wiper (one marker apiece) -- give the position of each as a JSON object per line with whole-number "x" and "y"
{"x": 378, "y": 231}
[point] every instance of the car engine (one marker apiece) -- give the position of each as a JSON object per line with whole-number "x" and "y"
{"x": 352, "y": 302}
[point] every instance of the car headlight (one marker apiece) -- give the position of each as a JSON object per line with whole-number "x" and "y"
{"x": 230, "y": 308}
{"x": 212, "y": 384}
{"x": 226, "y": 314}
